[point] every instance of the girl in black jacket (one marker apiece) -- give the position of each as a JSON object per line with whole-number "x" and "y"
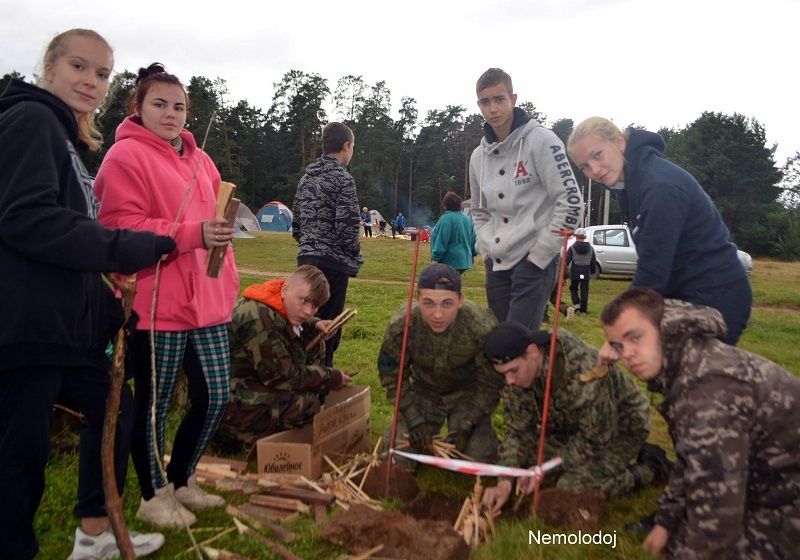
{"x": 57, "y": 310}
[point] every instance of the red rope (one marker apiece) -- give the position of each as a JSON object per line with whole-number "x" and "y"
{"x": 565, "y": 233}
{"x": 402, "y": 361}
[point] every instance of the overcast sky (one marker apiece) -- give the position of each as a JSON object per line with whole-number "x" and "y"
{"x": 635, "y": 61}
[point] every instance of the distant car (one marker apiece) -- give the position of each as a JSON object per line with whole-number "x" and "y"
{"x": 616, "y": 253}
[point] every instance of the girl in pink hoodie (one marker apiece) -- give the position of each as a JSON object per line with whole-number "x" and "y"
{"x": 155, "y": 178}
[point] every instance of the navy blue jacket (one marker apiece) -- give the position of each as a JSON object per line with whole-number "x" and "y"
{"x": 683, "y": 246}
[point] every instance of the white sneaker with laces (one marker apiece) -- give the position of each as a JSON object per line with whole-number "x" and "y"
{"x": 194, "y": 497}
{"x": 162, "y": 511}
{"x": 570, "y": 314}
{"x": 104, "y": 545}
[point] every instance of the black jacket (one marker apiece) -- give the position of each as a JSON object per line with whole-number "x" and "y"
{"x": 51, "y": 251}
{"x": 582, "y": 259}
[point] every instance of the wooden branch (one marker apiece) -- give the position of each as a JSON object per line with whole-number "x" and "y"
{"x": 275, "y": 547}
{"x": 227, "y": 206}
{"x": 215, "y": 554}
{"x": 113, "y": 500}
{"x": 367, "y": 553}
{"x": 337, "y": 323}
{"x": 197, "y": 546}
{"x": 62, "y": 408}
{"x": 283, "y": 534}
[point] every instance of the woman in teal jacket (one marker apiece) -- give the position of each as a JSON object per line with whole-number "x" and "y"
{"x": 453, "y": 237}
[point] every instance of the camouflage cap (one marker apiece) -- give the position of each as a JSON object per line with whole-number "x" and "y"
{"x": 508, "y": 340}
{"x": 438, "y": 276}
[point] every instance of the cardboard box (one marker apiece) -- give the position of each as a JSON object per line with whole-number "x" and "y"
{"x": 340, "y": 428}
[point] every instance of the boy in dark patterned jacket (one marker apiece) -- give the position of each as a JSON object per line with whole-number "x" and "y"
{"x": 326, "y": 221}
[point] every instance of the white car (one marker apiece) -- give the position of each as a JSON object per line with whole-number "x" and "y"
{"x": 616, "y": 253}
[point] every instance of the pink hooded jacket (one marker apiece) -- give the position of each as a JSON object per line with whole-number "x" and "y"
{"x": 141, "y": 186}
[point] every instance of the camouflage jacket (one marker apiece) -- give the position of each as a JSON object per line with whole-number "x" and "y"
{"x": 441, "y": 363}
{"x": 267, "y": 356}
{"x": 326, "y": 217}
{"x": 734, "y": 418}
{"x": 585, "y": 416}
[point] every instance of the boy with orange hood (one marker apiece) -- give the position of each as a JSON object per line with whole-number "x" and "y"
{"x": 275, "y": 383}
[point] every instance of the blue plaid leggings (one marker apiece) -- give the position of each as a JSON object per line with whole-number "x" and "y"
{"x": 204, "y": 356}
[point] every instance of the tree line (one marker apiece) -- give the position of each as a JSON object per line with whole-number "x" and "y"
{"x": 408, "y": 163}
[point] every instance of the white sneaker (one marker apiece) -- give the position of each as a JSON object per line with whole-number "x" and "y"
{"x": 570, "y": 314}
{"x": 194, "y": 497}
{"x": 162, "y": 511}
{"x": 104, "y": 545}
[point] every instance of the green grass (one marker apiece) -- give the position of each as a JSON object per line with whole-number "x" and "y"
{"x": 381, "y": 289}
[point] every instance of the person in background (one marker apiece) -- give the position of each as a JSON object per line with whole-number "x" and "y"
{"x": 582, "y": 263}
{"x": 59, "y": 313}
{"x": 453, "y": 236}
{"x": 276, "y": 384}
{"x": 683, "y": 247}
{"x": 366, "y": 221}
{"x": 142, "y": 184}
{"x": 400, "y": 222}
{"x": 598, "y": 421}
{"x": 522, "y": 189}
{"x": 447, "y": 376}
{"x": 734, "y": 418}
{"x": 325, "y": 223}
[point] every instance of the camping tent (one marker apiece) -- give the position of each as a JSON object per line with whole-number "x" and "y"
{"x": 376, "y": 222}
{"x": 245, "y": 221}
{"x": 275, "y": 216}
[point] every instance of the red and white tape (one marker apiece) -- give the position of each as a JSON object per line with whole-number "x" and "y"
{"x": 480, "y": 469}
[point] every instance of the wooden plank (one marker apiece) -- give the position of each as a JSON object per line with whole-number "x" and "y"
{"x": 233, "y": 464}
{"x": 306, "y": 496}
{"x": 227, "y": 206}
{"x": 264, "y": 513}
{"x": 287, "y": 504}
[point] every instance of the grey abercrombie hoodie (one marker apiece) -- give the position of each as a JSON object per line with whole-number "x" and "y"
{"x": 522, "y": 189}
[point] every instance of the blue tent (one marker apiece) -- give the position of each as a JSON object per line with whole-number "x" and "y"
{"x": 275, "y": 216}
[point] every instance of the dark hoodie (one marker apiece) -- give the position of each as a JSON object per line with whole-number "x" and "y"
{"x": 583, "y": 260}
{"x": 51, "y": 251}
{"x": 326, "y": 217}
{"x": 683, "y": 246}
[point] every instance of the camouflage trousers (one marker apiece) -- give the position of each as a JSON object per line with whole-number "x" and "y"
{"x": 437, "y": 410}
{"x": 606, "y": 471}
{"x": 769, "y": 532}
{"x": 244, "y": 424}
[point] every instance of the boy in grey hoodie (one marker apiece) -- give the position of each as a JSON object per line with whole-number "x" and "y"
{"x": 522, "y": 189}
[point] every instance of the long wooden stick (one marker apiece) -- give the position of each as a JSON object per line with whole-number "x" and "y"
{"x": 337, "y": 323}
{"x": 402, "y": 363}
{"x": 565, "y": 233}
{"x": 117, "y": 374}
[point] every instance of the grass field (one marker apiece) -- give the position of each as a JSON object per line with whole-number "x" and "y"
{"x": 380, "y": 289}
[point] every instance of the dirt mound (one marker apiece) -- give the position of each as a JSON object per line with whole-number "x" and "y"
{"x": 402, "y": 484}
{"x": 361, "y": 528}
{"x": 435, "y": 507}
{"x": 571, "y": 510}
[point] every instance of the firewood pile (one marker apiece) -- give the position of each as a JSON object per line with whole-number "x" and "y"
{"x": 341, "y": 482}
{"x": 475, "y": 522}
{"x": 440, "y": 447}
